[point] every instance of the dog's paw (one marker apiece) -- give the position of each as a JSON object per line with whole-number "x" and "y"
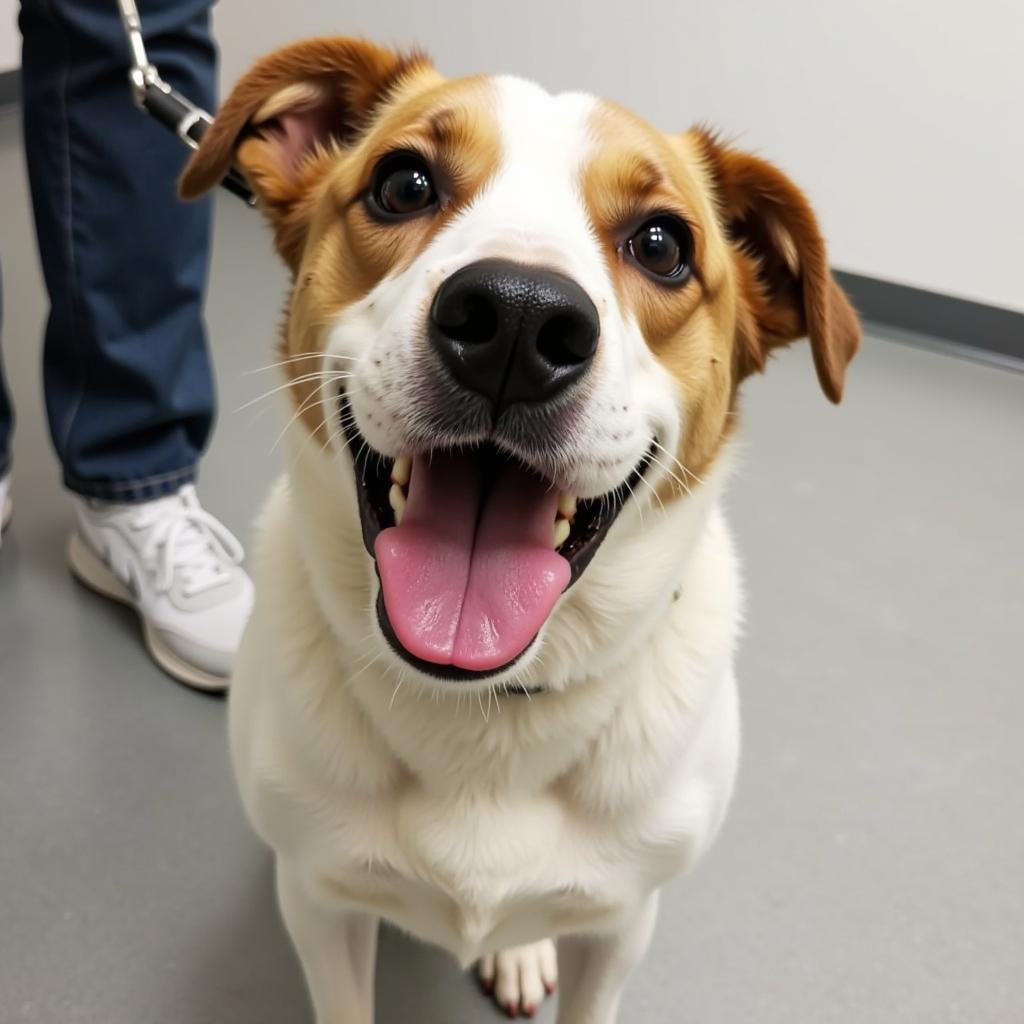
{"x": 519, "y": 978}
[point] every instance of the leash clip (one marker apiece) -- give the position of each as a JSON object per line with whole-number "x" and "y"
{"x": 142, "y": 73}
{"x": 153, "y": 95}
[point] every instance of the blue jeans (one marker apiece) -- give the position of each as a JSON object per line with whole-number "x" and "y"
{"x": 129, "y": 389}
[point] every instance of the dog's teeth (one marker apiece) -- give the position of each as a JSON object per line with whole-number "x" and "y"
{"x": 567, "y": 506}
{"x": 562, "y": 529}
{"x": 396, "y": 499}
{"x": 401, "y": 470}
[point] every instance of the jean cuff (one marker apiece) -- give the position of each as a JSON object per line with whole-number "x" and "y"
{"x": 132, "y": 492}
{"x": 5, "y": 464}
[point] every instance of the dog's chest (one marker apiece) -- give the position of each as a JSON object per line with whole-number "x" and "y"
{"x": 475, "y": 874}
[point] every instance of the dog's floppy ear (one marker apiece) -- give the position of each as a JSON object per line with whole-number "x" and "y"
{"x": 294, "y": 103}
{"x": 788, "y": 289}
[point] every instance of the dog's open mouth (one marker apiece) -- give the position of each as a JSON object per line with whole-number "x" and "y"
{"x": 472, "y": 550}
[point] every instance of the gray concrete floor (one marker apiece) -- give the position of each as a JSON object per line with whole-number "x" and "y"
{"x": 872, "y": 868}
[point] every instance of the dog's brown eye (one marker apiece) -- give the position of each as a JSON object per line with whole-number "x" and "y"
{"x": 663, "y": 247}
{"x": 402, "y": 185}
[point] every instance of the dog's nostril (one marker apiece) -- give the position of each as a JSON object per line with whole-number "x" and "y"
{"x": 472, "y": 320}
{"x": 566, "y": 340}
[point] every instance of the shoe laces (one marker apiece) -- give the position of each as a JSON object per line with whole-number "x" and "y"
{"x": 185, "y": 542}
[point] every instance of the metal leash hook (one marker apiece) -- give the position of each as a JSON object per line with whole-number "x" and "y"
{"x": 170, "y": 108}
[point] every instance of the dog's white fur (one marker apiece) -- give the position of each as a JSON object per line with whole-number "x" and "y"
{"x": 477, "y": 821}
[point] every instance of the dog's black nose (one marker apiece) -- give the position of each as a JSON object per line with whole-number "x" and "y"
{"x": 514, "y": 333}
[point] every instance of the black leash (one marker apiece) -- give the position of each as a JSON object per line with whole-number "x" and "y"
{"x": 189, "y": 122}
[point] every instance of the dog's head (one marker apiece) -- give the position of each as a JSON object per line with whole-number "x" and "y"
{"x": 518, "y": 312}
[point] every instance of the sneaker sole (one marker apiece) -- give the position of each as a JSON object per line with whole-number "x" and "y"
{"x": 91, "y": 572}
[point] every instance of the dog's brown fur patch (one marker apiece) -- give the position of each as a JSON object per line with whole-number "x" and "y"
{"x": 760, "y": 280}
{"x": 374, "y": 102}
{"x": 636, "y": 173}
{"x": 348, "y": 251}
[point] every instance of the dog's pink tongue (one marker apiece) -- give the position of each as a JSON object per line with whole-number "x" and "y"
{"x": 465, "y": 585}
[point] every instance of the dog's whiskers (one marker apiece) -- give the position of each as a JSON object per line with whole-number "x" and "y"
{"x": 650, "y": 487}
{"x": 639, "y": 506}
{"x": 391, "y": 705}
{"x": 320, "y": 426}
{"x": 668, "y": 471}
{"x": 307, "y": 403}
{"x": 342, "y": 428}
{"x": 364, "y": 669}
{"x": 333, "y": 375}
{"x": 683, "y": 469}
{"x": 299, "y": 357}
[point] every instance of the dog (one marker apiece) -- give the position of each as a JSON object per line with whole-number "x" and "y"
{"x": 487, "y": 691}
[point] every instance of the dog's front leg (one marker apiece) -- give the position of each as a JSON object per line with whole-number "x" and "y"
{"x": 338, "y": 950}
{"x": 593, "y": 969}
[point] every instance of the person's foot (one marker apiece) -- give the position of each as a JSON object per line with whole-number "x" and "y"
{"x": 179, "y": 568}
{"x": 6, "y": 508}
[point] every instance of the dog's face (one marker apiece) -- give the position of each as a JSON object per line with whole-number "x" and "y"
{"x": 533, "y": 311}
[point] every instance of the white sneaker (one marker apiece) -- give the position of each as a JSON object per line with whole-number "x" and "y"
{"x": 6, "y": 508}
{"x": 180, "y": 569}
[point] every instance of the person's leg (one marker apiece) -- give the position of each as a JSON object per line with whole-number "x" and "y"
{"x": 6, "y": 422}
{"x": 127, "y": 376}
{"x": 128, "y": 385}
{"x": 6, "y": 411}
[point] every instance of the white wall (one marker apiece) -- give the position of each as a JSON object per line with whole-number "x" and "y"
{"x": 903, "y": 119}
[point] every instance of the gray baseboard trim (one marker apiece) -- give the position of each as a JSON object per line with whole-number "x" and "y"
{"x": 973, "y": 354}
{"x": 10, "y": 87}
{"x": 960, "y": 324}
